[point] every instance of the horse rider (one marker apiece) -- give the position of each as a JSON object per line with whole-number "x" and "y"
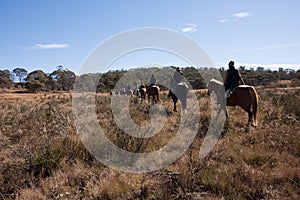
{"x": 177, "y": 77}
{"x": 142, "y": 85}
{"x": 232, "y": 79}
{"x": 128, "y": 88}
{"x": 152, "y": 82}
{"x": 136, "y": 88}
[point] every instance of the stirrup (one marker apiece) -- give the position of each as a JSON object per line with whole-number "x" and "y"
{"x": 228, "y": 93}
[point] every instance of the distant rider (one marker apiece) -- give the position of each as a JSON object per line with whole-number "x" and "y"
{"x": 177, "y": 77}
{"x": 152, "y": 80}
{"x": 136, "y": 88}
{"x": 142, "y": 85}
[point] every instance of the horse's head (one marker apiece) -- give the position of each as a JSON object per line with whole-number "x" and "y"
{"x": 213, "y": 85}
{"x": 208, "y": 88}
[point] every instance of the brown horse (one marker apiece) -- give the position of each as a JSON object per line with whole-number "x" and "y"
{"x": 153, "y": 91}
{"x": 244, "y": 96}
{"x": 142, "y": 92}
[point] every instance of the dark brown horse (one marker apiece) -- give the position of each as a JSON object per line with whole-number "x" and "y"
{"x": 180, "y": 92}
{"x": 153, "y": 91}
{"x": 244, "y": 96}
{"x": 142, "y": 92}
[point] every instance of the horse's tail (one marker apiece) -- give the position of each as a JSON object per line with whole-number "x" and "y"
{"x": 158, "y": 89}
{"x": 183, "y": 103}
{"x": 254, "y": 101}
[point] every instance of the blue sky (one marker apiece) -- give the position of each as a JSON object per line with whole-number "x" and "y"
{"x": 44, "y": 34}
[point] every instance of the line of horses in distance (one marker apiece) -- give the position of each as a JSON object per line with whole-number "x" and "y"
{"x": 244, "y": 96}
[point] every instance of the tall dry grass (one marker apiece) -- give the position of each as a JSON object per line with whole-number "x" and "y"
{"x": 42, "y": 157}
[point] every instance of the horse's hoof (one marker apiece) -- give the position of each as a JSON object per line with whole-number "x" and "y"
{"x": 254, "y": 125}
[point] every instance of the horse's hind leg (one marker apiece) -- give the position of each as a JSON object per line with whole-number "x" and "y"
{"x": 183, "y": 103}
{"x": 251, "y": 119}
{"x": 254, "y": 123}
{"x": 175, "y": 109}
{"x": 247, "y": 108}
{"x": 175, "y": 101}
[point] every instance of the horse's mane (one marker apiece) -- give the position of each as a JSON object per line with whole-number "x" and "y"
{"x": 216, "y": 81}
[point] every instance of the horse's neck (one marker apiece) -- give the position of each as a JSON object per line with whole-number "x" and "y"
{"x": 171, "y": 80}
{"x": 219, "y": 83}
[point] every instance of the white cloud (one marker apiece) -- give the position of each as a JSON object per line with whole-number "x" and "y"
{"x": 223, "y": 20}
{"x": 51, "y": 46}
{"x": 189, "y": 27}
{"x": 241, "y": 14}
{"x": 234, "y": 17}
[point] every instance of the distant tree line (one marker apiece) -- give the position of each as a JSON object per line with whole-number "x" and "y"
{"x": 62, "y": 79}
{"x": 59, "y": 80}
{"x": 265, "y": 77}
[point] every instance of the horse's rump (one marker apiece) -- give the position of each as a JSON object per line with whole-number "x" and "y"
{"x": 180, "y": 92}
{"x": 242, "y": 94}
{"x": 246, "y": 97}
{"x": 154, "y": 92}
{"x": 155, "y": 86}
{"x": 142, "y": 92}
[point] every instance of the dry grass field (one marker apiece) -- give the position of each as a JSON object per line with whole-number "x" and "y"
{"x": 42, "y": 157}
